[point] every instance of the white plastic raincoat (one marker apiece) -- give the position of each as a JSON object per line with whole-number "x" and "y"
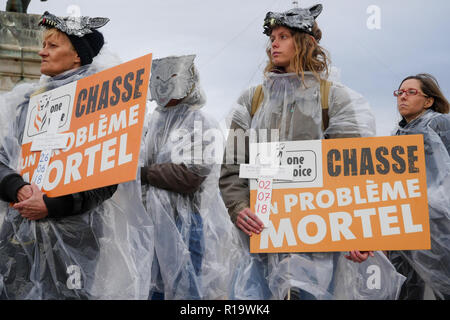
{"x": 196, "y": 245}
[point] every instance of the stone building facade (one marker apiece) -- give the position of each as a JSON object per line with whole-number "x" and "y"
{"x": 20, "y": 42}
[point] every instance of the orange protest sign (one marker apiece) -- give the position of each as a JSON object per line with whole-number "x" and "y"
{"x": 370, "y": 194}
{"x": 101, "y": 117}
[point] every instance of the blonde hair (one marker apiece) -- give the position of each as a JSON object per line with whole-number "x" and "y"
{"x": 309, "y": 55}
{"x": 53, "y": 32}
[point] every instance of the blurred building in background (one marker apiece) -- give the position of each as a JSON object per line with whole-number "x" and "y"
{"x": 20, "y": 42}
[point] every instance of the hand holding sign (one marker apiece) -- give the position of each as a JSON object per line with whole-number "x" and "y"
{"x": 33, "y": 208}
{"x": 249, "y": 222}
{"x": 24, "y": 193}
{"x": 359, "y": 256}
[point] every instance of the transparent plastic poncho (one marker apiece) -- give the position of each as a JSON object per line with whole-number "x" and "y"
{"x": 433, "y": 265}
{"x": 294, "y": 108}
{"x": 191, "y": 223}
{"x": 104, "y": 253}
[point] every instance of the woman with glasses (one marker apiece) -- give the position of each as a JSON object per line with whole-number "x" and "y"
{"x": 419, "y": 94}
{"x": 424, "y": 110}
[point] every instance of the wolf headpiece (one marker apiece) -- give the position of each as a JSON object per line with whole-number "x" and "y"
{"x": 78, "y": 26}
{"x": 298, "y": 19}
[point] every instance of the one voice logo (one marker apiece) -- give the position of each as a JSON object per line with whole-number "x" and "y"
{"x": 42, "y": 110}
{"x": 42, "y": 107}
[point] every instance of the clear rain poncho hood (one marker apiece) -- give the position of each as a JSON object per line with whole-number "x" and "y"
{"x": 294, "y": 108}
{"x": 104, "y": 253}
{"x": 197, "y": 222}
{"x": 433, "y": 265}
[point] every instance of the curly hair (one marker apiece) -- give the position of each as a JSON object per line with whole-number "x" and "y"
{"x": 309, "y": 55}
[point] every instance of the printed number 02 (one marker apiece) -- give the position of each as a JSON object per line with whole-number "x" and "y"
{"x": 264, "y": 185}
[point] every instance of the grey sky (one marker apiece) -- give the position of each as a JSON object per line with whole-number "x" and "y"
{"x": 228, "y": 40}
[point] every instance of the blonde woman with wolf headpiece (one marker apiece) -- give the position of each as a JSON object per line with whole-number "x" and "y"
{"x": 297, "y": 101}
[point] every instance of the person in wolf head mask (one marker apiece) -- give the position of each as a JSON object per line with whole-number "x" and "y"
{"x": 299, "y": 101}
{"x": 55, "y": 248}
{"x": 195, "y": 243}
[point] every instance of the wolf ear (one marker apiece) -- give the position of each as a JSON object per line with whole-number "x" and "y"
{"x": 315, "y": 10}
{"x": 97, "y": 22}
{"x": 190, "y": 58}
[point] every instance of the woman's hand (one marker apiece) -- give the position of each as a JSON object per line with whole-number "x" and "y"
{"x": 34, "y": 207}
{"x": 24, "y": 193}
{"x": 248, "y": 222}
{"x": 359, "y": 256}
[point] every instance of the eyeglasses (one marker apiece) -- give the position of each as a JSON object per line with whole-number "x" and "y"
{"x": 409, "y": 92}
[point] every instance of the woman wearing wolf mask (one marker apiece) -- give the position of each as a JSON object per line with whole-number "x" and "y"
{"x": 73, "y": 246}
{"x": 297, "y": 99}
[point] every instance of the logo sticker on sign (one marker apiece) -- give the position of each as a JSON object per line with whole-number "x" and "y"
{"x": 41, "y": 108}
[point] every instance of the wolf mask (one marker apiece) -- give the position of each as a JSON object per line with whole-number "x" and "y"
{"x": 298, "y": 19}
{"x": 173, "y": 78}
{"x": 78, "y": 26}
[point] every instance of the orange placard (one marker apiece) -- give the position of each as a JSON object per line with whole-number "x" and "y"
{"x": 374, "y": 197}
{"x": 103, "y": 115}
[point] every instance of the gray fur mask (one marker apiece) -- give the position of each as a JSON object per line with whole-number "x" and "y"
{"x": 78, "y": 26}
{"x": 173, "y": 78}
{"x": 298, "y": 19}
